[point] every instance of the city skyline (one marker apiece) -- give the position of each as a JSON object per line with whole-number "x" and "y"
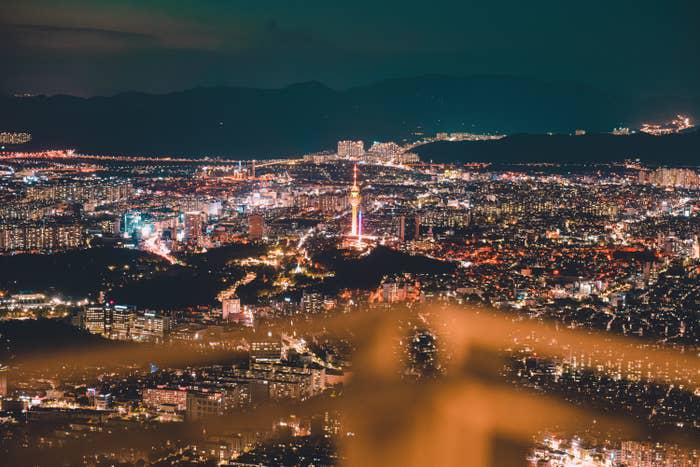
{"x": 221, "y": 288}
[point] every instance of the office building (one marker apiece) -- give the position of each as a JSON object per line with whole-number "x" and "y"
{"x": 266, "y": 350}
{"x": 97, "y": 320}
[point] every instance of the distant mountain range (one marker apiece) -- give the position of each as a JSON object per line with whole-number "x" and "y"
{"x": 678, "y": 149}
{"x": 239, "y": 122}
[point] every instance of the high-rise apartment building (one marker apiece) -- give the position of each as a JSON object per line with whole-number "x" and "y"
{"x": 351, "y": 149}
{"x": 41, "y": 237}
{"x": 256, "y": 227}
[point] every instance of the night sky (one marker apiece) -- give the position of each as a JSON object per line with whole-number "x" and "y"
{"x": 644, "y": 48}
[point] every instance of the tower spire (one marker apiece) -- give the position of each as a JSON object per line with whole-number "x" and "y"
{"x": 355, "y": 200}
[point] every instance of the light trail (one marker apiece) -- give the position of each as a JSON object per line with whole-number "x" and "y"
{"x": 154, "y": 247}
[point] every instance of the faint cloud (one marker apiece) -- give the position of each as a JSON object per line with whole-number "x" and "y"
{"x": 41, "y": 36}
{"x": 38, "y": 37}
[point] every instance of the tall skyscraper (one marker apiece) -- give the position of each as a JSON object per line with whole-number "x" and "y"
{"x": 355, "y": 200}
{"x": 123, "y": 319}
{"x": 256, "y": 227}
{"x": 193, "y": 227}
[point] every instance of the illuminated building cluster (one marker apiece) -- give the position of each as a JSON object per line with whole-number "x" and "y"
{"x": 348, "y": 149}
{"x": 124, "y": 323}
{"x": 671, "y": 177}
{"x": 209, "y": 256}
{"x": 41, "y": 237}
{"x": 677, "y": 125}
{"x": 14, "y": 138}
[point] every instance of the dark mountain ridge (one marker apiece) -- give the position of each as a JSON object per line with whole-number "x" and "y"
{"x": 682, "y": 149}
{"x": 238, "y": 122}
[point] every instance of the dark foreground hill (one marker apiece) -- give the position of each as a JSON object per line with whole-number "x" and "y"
{"x": 367, "y": 272}
{"x": 76, "y": 274}
{"x": 260, "y": 123}
{"x": 678, "y": 149}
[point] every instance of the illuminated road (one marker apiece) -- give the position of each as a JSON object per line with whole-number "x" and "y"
{"x": 230, "y": 291}
{"x": 154, "y": 247}
{"x": 67, "y": 155}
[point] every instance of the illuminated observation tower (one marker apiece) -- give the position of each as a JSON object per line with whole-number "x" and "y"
{"x": 355, "y": 200}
